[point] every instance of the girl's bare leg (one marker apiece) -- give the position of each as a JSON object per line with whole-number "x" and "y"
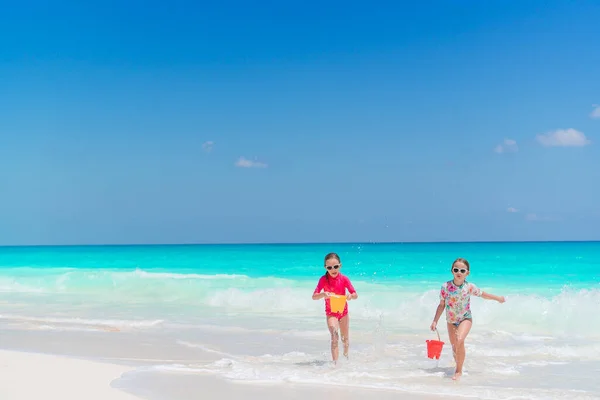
{"x": 461, "y": 334}
{"x": 452, "y": 335}
{"x": 334, "y": 325}
{"x": 345, "y": 330}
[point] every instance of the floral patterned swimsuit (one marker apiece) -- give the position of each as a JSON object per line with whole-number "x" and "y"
{"x": 458, "y": 300}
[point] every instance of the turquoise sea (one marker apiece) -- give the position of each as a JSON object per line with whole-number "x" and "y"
{"x": 250, "y": 308}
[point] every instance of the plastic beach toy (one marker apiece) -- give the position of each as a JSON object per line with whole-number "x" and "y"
{"x": 434, "y": 347}
{"x": 337, "y": 303}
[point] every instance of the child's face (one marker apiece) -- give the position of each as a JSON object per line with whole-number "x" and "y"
{"x": 333, "y": 267}
{"x": 460, "y": 271}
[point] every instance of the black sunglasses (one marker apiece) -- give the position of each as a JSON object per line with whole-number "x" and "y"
{"x": 334, "y": 267}
{"x": 462, "y": 271}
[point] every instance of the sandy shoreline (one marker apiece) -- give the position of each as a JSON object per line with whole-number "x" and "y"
{"x": 138, "y": 364}
{"x": 27, "y": 376}
{"x": 157, "y": 386}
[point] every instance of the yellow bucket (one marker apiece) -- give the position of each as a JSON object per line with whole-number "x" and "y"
{"x": 337, "y": 303}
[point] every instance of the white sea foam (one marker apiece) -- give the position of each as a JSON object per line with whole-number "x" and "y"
{"x": 54, "y": 323}
{"x": 401, "y": 306}
{"x": 382, "y": 374}
{"x": 169, "y": 275}
{"x": 528, "y": 316}
{"x": 270, "y": 330}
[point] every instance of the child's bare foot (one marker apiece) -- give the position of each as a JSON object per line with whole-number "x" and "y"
{"x": 457, "y": 376}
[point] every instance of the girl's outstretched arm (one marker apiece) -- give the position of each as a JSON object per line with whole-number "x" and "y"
{"x": 489, "y": 296}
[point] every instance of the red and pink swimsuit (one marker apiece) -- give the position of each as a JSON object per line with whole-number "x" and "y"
{"x": 337, "y": 285}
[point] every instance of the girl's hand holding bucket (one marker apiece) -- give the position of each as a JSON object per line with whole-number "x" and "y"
{"x": 433, "y": 326}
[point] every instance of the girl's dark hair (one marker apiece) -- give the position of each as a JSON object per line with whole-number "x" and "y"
{"x": 332, "y": 255}
{"x": 462, "y": 260}
{"x": 329, "y": 257}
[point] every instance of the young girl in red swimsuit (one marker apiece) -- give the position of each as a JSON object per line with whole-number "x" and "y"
{"x": 334, "y": 283}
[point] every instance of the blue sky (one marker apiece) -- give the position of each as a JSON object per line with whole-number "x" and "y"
{"x": 156, "y": 122}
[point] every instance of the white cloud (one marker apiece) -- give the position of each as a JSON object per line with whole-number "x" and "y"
{"x": 208, "y": 146}
{"x": 508, "y": 146}
{"x": 563, "y": 138}
{"x": 532, "y": 217}
{"x": 512, "y": 210}
{"x": 596, "y": 112}
{"x": 243, "y": 162}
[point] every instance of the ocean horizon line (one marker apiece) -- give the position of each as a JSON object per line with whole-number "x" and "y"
{"x": 192, "y": 244}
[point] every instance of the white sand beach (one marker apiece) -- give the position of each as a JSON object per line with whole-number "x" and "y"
{"x": 27, "y": 376}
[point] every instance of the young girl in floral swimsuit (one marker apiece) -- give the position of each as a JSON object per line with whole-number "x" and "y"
{"x": 455, "y": 297}
{"x": 334, "y": 283}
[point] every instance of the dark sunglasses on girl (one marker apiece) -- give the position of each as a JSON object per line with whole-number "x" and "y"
{"x": 334, "y": 267}
{"x": 462, "y": 271}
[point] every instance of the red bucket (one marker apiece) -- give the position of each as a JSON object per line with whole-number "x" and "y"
{"x": 434, "y": 347}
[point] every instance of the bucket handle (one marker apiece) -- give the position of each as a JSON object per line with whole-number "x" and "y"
{"x": 438, "y": 335}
